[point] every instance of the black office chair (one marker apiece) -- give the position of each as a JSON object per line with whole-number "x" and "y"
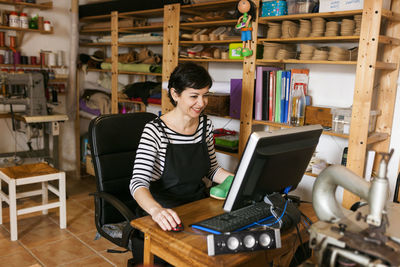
{"x": 396, "y": 190}
{"x": 113, "y": 141}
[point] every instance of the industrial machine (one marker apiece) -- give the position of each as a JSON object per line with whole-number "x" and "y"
{"x": 29, "y": 89}
{"x": 368, "y": 236}
{"x": 24, "y": 89}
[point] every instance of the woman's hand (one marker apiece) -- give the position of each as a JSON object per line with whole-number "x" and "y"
{"x": 165, "y": 218}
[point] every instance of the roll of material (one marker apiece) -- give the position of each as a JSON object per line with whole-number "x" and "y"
{"x": 52, "y": 59}
{"x": 134, "y": 67}
{"x": 17, "y": 58}
{"x": 60, "y": 58}
{"x": 221, "y": 87}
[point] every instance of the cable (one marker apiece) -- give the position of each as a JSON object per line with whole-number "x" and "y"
{"x": 277, "y": 219}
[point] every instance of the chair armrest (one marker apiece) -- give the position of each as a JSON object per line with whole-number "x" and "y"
{"x": 124, "y": 210}
{"x": 120, "y": 206}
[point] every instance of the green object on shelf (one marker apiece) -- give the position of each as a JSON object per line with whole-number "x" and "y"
{"x": 34, "y": 22}
{"x": 230, "y": 141}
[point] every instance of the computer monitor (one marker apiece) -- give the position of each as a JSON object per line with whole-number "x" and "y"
{"x": 271, "y": 162}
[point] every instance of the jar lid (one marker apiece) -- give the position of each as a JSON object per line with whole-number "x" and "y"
{"x": 13, "y": 13}
{"x": 46, "y": 21}
{"x": 23, "y": 14}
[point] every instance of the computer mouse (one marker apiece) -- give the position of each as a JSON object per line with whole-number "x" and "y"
{"x": 178, "y": 228}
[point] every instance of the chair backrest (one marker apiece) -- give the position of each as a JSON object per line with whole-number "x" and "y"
{"x": 396, "y": 197}
{"x": 113, "y": 141}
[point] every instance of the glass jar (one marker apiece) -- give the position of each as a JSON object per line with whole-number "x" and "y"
{"x": 298, "y": 106}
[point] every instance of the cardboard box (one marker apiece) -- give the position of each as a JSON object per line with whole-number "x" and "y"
{"x": 233, "y": 54}
{"x": 342, "y": 5}
{"x": 218, "y": 104}
{"x": 318, "y": 115}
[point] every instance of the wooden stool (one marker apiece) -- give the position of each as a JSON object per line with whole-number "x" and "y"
{"x": 30, "y": 174}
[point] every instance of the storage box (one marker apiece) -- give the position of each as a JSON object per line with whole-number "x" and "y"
{"x": 318, "y": 115}
{"x": 233, "y": 54}
{"x": 218, "y": 104}
{"x": 273, "y": 8}
{"x": 300, "y": 6}
{"x": 229, "y": 143}
{"x": 342, "y": 5}
{"x": 341, "y": 118}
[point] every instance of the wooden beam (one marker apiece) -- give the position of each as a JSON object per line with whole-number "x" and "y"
{"x": 170, "y": 50}
{"x": 114, "y": 62}
{"x": 363, "y": 91}
{"x": 249, "y": 69}
{"x": 386, "y": 95}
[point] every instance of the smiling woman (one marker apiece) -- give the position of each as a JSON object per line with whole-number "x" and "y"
{"x": 176, "y": 150}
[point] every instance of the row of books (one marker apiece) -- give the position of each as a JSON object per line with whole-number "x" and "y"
{"x": 273, "y": 92}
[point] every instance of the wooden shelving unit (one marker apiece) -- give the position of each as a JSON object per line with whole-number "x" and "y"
{"x": 114, "y": 30}
{"x": 378, "y": 63}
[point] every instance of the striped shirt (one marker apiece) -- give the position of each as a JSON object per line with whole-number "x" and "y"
{"x": 150, "y": 155}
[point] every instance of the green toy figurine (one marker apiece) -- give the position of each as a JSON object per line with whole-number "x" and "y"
{"x": 247, "y": 10}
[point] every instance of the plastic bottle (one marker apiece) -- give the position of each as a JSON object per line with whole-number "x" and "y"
{"x": 13, "y": 20}
{"x": 23, "y": 20}
{"x": 298, "y": 106}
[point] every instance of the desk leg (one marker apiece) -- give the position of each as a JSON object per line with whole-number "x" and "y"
{"x": 148, "y": 257}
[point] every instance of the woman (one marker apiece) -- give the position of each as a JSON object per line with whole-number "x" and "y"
{"x": 176, "y": 150}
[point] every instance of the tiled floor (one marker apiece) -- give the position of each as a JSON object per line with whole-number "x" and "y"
{"x": 41, "y": 242}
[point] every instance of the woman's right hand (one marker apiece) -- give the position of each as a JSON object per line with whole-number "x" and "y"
{"x": 165, "y": 218}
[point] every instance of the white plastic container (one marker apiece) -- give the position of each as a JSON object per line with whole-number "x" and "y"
{"x": 342, "y": 5}
{"x": 13, "y": 20}
{"x": 341, "y": 120}
{"x": 23, "y": 20}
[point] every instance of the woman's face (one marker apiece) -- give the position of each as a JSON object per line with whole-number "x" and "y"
{"x": 243, "y": 6}
{"x": 192, "y": 101}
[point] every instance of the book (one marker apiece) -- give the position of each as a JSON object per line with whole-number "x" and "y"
{"x": 260, "y": 97}
{"x": 271, "y": 99}
{"x": 265, "y": 95}
{"x": 300, "y": 76}
{"x": 287, "y": 95}
{"x": 278, "y": 96}
{"x": 283, "y": 94}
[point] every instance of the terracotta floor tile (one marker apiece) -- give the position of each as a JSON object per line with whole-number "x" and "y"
{"x": 8, "y": 247}
{"x": 86, "y": 202}
{"x": 119, "y": 259}
{"x": 41, "y": 233}
{"x": 81, "y": 224}
{"x": 95, "y": 261}
{"x": 101, "y": 244}
{"x": 21, "y": 258}
{"x": 62, "y": 252}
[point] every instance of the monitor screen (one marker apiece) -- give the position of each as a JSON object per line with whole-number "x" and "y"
{"x": 271, "y": 162}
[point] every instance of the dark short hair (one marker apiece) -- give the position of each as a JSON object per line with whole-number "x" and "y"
{"x": 188, "y": 75}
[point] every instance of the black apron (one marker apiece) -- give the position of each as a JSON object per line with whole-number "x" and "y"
{"x": 185, "y": 166}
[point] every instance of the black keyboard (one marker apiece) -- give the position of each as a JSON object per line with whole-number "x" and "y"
{"x": 238, "y": 219}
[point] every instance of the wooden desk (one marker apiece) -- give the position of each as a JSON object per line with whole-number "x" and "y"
{"x": 188, "y": 248}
